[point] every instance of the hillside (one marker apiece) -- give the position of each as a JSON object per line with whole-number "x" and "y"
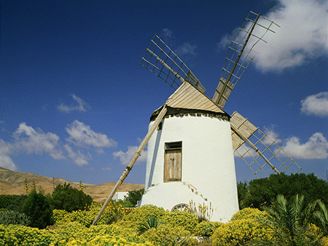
{"x": 16, "y": 183}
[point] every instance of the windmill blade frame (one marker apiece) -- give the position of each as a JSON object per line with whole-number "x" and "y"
{"x": 239, "y": 55}
{"x": 168, "y": 66}
{"x": 256, "y": 148}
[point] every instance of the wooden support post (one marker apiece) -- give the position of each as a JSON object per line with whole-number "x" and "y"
{"x": 253, "y": 146}
{"x": 132, "y": 162}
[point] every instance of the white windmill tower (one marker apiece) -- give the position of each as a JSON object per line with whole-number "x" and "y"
{"x": 192, "y": 140}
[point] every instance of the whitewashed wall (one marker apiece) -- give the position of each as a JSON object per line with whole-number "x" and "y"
{"x": 208, "y": 169}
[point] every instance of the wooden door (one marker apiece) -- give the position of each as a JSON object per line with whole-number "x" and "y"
{"x": 172, "y": 165}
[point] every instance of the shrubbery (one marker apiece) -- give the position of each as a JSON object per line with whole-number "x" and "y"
{"x": 113, "y": 212}
{"x": 206, "y": 228}
{"x": 37, "y": 208}
{"x": 285, "y": 222}
{"x": 133, "y": 198}
{"x": 12, "y": 202}
{"x": 68, "y": 198}
{"x": 13, "y": 217}
{"x": 245, "y": 227}
{"x": 260, "y": 193}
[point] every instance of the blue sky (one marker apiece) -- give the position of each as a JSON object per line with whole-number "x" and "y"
{"x": 75, "y": 100}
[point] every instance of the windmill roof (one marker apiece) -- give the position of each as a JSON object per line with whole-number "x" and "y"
{"x": 188, "y": 97}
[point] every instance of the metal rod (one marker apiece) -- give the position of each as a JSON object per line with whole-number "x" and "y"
{"x": 135, "y": 157}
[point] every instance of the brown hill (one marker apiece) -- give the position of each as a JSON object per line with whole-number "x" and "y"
{"x": 17, "y": 183}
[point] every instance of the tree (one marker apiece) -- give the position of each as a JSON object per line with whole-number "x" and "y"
{"x": 37, "y": 207}
{"x": 68, "y": 198}
{"x": 261, "y": 193}
{"x": 133, "y": 197}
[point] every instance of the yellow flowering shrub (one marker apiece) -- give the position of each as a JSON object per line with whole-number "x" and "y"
{"x": 141, "y": 214}
{"x": 23, "y": 235}
{"x": 241, "y": 232}
{"x": 112, "y": 213}
{"x": 249, "y": 213}
{"x": 166, "y": 234}
{"x": 62, "y": 233}
{"x": 186, "y": 220}
{"x": 324, "y": 241}
{"x": 206, "y": 228}
{"x": 246, "y": 226}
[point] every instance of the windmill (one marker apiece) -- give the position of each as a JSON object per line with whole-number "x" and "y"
{"x": 192, "y": 140}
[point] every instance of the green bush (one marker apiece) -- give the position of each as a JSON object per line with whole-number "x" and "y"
{"x": 12, "y": 202}
{"x": 260, "y": 193}
{"x": 68, "y": 198}
{"x": 13, "y": 217}
{"x": 133, "y": 197}
{"x": 38, "y": 209}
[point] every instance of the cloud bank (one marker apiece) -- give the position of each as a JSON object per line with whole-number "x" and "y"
{"x": 303, "y": 35}
{"x": 34, "y": 141}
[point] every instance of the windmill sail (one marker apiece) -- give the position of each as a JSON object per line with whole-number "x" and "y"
{"x": 167, "y": 65}
{"x": 239, "y": 55}
{"x": 256, "y": 148}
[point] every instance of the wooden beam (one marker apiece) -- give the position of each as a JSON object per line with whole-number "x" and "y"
{"x": 132, "y": 162}
{"x": 253, "y": 146}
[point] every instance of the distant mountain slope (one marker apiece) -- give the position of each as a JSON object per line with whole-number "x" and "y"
{"x": 17, "y": 183}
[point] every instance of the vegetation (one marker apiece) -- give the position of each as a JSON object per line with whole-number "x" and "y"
{"x": 37, "y": 208}
{"x": 293, "y": 220}
{"x": 12, "y": 202}
{"x": 68, "y": 198}
{"x": 261, "y": 193}
{"x": 133, "y": 198}
{"x": 13, "y": 217}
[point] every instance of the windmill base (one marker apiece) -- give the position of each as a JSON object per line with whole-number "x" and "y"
{"x": 179, "y": 196}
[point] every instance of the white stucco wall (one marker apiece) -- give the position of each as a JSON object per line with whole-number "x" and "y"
{"x": 208, "y": 169}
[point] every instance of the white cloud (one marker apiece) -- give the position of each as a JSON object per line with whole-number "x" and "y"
{"x": 315, "y": 148}
{"x": 303, "y": 34}
{"x": 316, "y": 104}
{"x": 271, "y": 137}
{"x": 35, "y": 141}
{"x": 79, "y": 105}
{"x": 126, "y": 156}
{"x": 5, "y": 159}
{"x": 186, "y": 49}
{"x": 82, "y": 135}
{"x": 76, "y": 156}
